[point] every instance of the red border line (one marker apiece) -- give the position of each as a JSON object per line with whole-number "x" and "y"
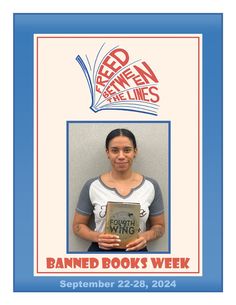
{"x": 37, "y": 162}
{"x": 147, "y": 37}
{"x": 37, "y": 165}
{"x": 199, "y": 152}
{"x": 119, "y": 272}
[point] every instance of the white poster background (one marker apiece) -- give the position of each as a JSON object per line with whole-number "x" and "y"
{"x": 62, "y": 94}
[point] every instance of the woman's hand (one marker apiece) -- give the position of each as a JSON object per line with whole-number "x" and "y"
{"x": 137, "y": 244}
{"x": 156, "y": 230}
{"x": 108, "y": 241}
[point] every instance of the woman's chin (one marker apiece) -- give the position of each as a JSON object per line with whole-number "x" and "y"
{"x": 122, "y": 167}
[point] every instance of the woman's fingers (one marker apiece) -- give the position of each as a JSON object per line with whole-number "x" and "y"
{"x": 108, "y": 241}
{"x": 138, "y": 244}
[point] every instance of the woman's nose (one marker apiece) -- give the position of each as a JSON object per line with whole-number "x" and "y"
{"x": 121, "y": 154}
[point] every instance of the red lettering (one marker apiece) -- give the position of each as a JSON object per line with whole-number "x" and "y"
{"x": 145, "y": 94}
{"x": 120, "y": 80}
{"x": 184, "y": 262}
{"x": 71, "y": 262}
{"x": 146, "y": 74}
{"x": 105, "y": 94}
{"x": 94, "y": 262}
{"x": 116, "y": 98}
{"x": 175, "y": 262}
{"x": 111, "y": 65}
{"x": 168, "y": 262}
{"x": 157, "y": 262}
{"x": 122, "y": 98}
{"x": 98, "y": 89}
{"x": 135, "y": 262}
{"x": 105, "y": 73}
{"x": 155, "y": 95}
{"x": 139, "y": 94}
{"x": 112, "y": 84}
{"x": 124, "y": 263}
{"x": 144, "y": 262}
{"x": 128, "y": 73}
{"x": 50, "y": 262}
{"x": 101, "y": 82}
{"x": 110, "y": 91}
{"x": 59, "y": 263}
{"x": 68, "y": 262}
{"x": 138, "y": 81}
{"x": 105, "y": 262}
{"x": 130, "y": 96}
{"x": 120, "y": 55}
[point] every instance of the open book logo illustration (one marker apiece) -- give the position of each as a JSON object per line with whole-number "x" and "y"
{"x": 116, "y": 82}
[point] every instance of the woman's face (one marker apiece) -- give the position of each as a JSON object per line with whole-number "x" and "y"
{"x": 121, "y": 153}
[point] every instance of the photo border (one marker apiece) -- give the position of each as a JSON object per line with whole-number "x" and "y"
{"x": 168, "y": 182}
{"x": 210, "y": 25}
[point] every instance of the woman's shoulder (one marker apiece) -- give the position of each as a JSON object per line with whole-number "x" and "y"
{"x": 88, "y": 182}
{"x": 152, "y": 181}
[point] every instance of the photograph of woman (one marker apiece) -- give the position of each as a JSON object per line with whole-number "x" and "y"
{"x": 120, "y": 183}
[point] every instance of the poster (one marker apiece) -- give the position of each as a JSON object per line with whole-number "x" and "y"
{"x": 145, "y": 72}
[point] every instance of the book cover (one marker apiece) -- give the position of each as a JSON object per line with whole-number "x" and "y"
{"x": 122, "y": 219}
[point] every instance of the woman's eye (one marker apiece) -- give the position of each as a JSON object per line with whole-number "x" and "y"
{"x": 114, "y": 151}
{"x": 127, "y": 150}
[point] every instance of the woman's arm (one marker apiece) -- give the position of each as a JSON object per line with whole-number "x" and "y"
{"x": 81, "y": 229}
{"x": 157, "y": 229}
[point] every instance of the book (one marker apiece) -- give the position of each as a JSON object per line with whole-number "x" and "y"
{"x": 117, "y": 81}
{"x": 122, "y": 219}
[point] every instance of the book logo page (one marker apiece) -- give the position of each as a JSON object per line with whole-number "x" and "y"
{"x": 117, "y": 81}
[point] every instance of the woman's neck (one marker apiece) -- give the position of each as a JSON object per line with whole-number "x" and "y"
{"x": 121, "y": 175}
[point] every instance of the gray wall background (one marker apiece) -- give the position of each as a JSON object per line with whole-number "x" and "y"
{"x": 87, "y": 159}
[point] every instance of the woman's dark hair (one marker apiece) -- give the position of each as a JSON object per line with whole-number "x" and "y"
{"x": 121, "y": 132}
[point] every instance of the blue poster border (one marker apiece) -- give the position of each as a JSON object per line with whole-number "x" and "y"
{"x": 210, "y": 25}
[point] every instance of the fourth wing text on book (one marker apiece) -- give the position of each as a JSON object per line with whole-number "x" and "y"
{"x": 123, "y": 219}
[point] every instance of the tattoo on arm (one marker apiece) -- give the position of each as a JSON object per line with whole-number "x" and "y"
{"x": 79, "y": 227}
{"x": 158, "y": 231}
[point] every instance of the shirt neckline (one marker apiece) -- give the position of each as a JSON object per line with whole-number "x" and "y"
{"x": 116, "y": 191}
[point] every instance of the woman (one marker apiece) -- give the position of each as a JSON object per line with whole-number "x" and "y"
{"x": 119, "y": 184}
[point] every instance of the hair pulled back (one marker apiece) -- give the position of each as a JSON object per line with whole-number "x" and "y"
{"x": 121, "y": 132}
